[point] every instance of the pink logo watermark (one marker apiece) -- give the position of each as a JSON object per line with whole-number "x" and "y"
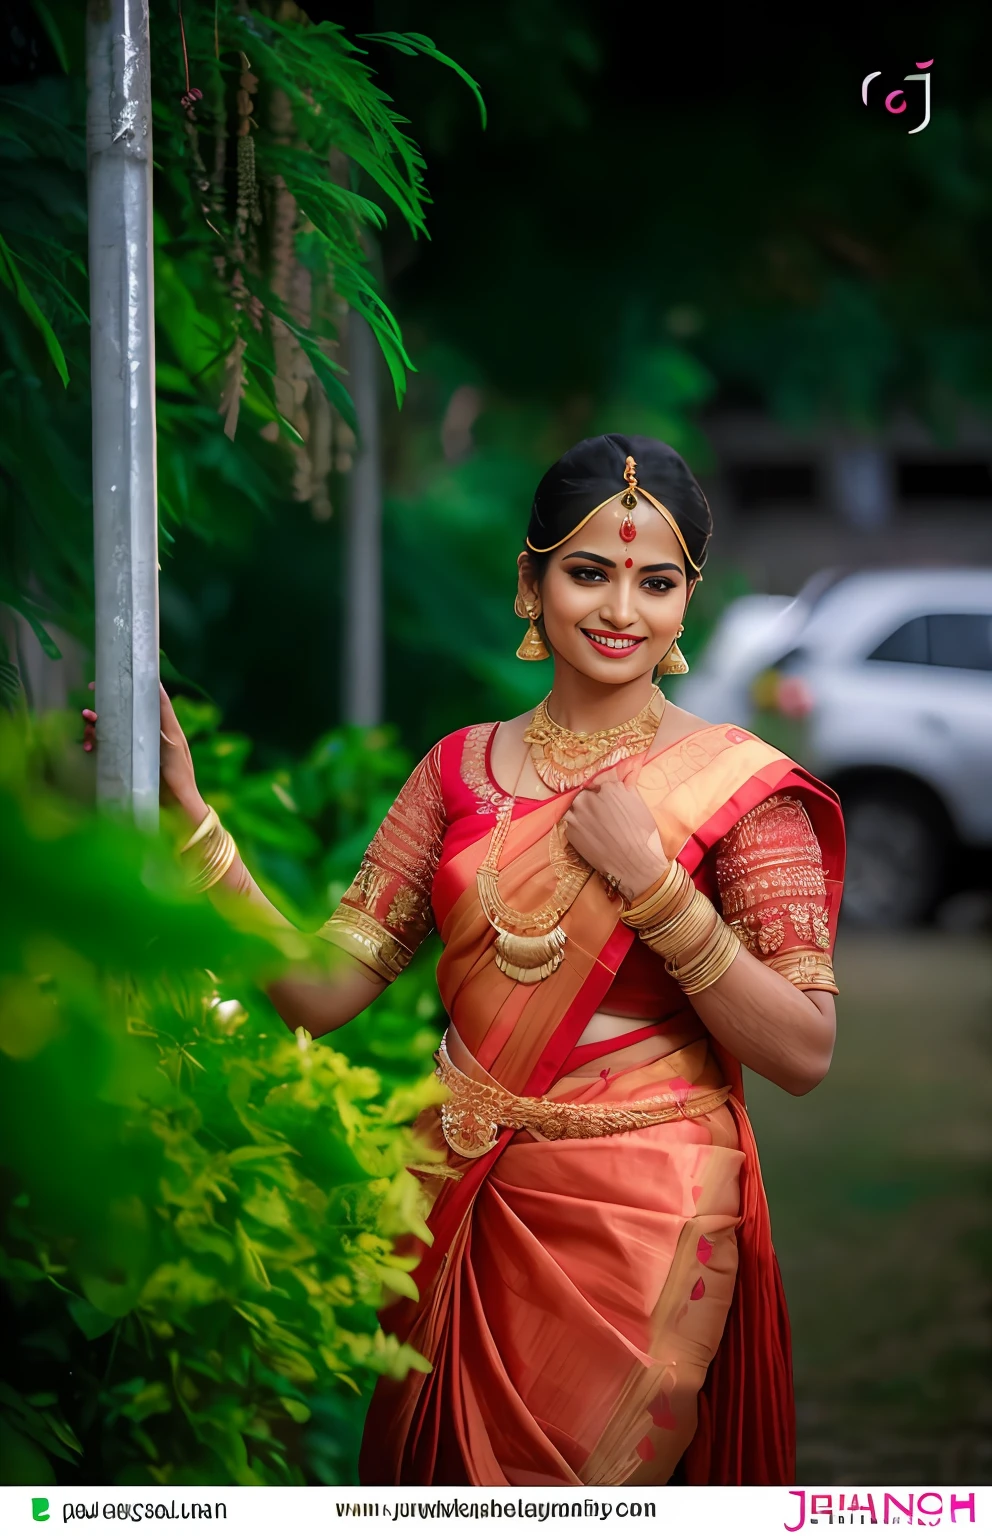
{"x": 879, "y": 1508}
{"x": 895, "y": 101}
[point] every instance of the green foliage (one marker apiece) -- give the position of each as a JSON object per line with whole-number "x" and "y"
{"x": 199, "y": 1210}
{"x": 293, "y": 160}
{"x": 11, "y": 278}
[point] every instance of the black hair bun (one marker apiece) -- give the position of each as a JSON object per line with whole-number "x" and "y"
{"x": 593, "y": 471}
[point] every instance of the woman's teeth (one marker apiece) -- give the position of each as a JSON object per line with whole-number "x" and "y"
{"x": 613, "y": 642}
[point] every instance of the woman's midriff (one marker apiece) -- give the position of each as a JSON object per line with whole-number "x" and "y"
{"x": 608, "y": 1029}
{"x": 636, "y": 1066}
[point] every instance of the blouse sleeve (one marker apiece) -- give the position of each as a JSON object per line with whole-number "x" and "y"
{"x": 769, "y": 871}
{"x": 386, "y": 911}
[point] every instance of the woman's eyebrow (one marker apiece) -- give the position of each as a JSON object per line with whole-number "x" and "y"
{"x": 668, "y": 566}
{"x": 584, "y": 554}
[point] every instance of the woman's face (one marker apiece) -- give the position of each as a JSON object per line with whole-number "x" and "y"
{"x": 611, "y": 609}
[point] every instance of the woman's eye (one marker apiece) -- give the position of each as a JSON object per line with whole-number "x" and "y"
{"x": 658, "y": 584}
{"x": 587, "y": 573}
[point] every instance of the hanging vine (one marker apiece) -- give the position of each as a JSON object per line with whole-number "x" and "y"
{"x": 319, "y": 156}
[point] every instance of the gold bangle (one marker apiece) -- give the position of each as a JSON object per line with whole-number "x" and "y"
{"x": 713, "y": 961}
{"x": 209, "y": 823}
{"x": 808, "y": 970}
{"x": 659, "y": 902}
{"x": 219, "y": 859}
{"x": 686, "y": 930}
{"x": 214, "y": 851}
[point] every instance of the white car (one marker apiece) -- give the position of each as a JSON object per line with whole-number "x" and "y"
{"x": 880, "y": 683}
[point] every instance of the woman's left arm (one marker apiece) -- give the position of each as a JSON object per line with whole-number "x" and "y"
{"x": 774, "y": 1027}
{"x": 759, "y": 1009}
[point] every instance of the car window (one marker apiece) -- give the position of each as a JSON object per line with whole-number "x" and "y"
{"x": 907, "y": 643}
{"x": 961, "y": 640}
{"x": 792, "y": 661}
{"x": 941, "y": 640}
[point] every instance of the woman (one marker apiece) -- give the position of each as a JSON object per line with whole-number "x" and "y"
{"x": 632, "y": 903}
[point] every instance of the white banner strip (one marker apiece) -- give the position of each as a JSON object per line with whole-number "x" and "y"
{"x": 496, "y": 1511}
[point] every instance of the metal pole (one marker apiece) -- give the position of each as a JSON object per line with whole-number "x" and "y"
{"x": 122, "y": 324}
{"x": 362, "y": 650}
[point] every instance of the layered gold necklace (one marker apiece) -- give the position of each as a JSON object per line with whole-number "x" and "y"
{"x": 565, "y": 759}
{"x": 530, "y": 945}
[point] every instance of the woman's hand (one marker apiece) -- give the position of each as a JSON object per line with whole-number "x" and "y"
{"x": 177, "y": 777}
{"x": 610, "y": 827}
{"x": 177, "y": 781}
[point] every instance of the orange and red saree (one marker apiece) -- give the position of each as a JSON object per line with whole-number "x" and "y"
{"x": 601, "y": 1310}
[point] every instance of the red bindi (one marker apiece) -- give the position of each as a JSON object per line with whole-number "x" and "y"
{"x": 628, "y": 562}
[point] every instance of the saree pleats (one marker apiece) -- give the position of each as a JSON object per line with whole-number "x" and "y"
{"x": 581, "y": 1305}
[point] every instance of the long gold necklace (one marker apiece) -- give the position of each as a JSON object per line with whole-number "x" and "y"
{"x": 529, "y": 945}
{"x": 564, "y": 759}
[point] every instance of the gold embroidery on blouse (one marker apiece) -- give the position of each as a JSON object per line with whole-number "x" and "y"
{"x": 409, "y": 841}
{"x": 762, "y": 935}
{"x": 767, "y": 861}
{"x": 361, "y": 936}
{"x": 407, "y": 906}
{"x": 386, "y": 911}
{"x": 810, "y": 924}
{"x": 367, "y": 886}
{"x": 475, "y": 775}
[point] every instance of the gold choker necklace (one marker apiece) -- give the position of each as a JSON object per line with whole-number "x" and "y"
{"x": 565, "y": 759}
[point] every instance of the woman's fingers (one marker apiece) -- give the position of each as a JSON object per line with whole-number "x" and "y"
{"x": 171, "y": 729}
{"x": 90, "y": 718}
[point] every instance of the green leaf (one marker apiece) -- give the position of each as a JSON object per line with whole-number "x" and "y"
{"x": 54, "y": 35}
{"x": 11, "y": 278}
{"x": 416, "y": 42}
{"x": 88, "y": 1319}
{"x": 171, "y": 674}
{"x": 30, "y": 610}
{"x": 22, "y": 1462}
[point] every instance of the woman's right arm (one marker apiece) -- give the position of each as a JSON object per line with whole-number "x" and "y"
{"x": 383, "y": 916}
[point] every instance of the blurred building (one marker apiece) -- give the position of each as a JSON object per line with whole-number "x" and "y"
{"x": 791, "y": 503}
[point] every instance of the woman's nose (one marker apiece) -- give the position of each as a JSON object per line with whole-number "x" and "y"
{"x": 619, "y": 609}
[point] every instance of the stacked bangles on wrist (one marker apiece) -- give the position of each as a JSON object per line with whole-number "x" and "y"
{"x": 213, "y": 849}
{"x": 673, "y": 918}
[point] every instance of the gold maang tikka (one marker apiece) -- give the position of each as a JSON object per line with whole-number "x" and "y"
{"x": 628, "y": 530}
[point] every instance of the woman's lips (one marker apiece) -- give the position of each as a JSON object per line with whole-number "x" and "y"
{"x": 612, "y": 645}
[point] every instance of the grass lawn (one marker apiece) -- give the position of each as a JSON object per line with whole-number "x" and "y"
{"x": 880, "y": 1184}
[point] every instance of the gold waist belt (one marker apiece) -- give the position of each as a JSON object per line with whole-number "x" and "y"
{"x": 476, "y": 1112}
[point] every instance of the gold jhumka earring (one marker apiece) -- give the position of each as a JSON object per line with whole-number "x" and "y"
{"x": 531, "y": 647}
{"x": 673, "y": 662}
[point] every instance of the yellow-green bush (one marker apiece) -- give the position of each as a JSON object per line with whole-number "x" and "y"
{"x": 198, "y": 1209}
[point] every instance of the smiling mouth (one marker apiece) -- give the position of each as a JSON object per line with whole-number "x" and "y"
{"x": 609, "y": 644}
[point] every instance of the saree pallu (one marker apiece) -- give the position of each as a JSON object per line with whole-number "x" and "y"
{"x": 602, "y": 1310}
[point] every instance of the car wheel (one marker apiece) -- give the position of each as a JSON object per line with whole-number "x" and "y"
{"x": 895, "y": 864}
